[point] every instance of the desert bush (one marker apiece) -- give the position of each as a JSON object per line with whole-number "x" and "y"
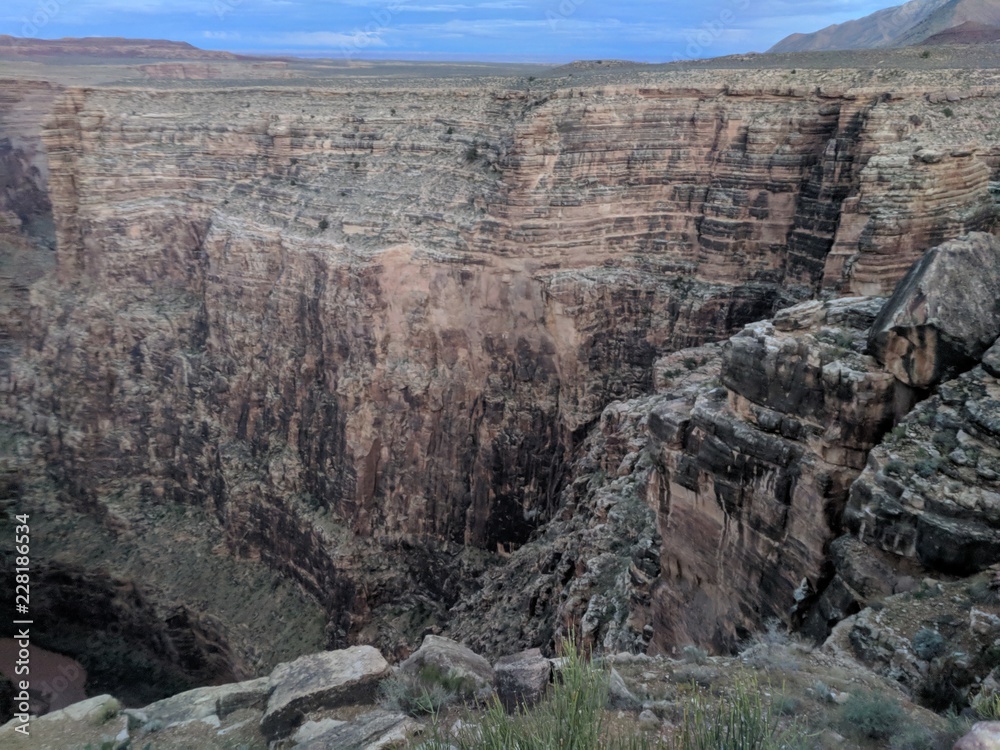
{"x": 694, "y": 655}
{"x": 913, "y": 737}
{"x": 785, "y": 705}
{"x": 928, "y": 644}
{"x": 410, "y": 694}
{"x": 871, "y": 715}
{"x": 896, "y": 467}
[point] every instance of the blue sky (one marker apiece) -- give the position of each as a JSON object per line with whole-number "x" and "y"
{"x": 517, "y": 30}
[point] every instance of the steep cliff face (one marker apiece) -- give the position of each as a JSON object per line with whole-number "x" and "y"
{"x": 361, "y": 337}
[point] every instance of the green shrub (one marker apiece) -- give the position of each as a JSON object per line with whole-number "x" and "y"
{"x": 948, "y": 112}
{"x": 785, "y": 705}
{"x": 896, "y": 467}
{"x": 914, "y": 737}
{"x": 471, "y": 153}
{"x": 324, "y": 224}
{"x": 411, "y": 695}
{"x": 928, "y": 644}
{"x": 871, "y": 715}
{"x": 694, "y": 655}
{"x": 987, "y": 707}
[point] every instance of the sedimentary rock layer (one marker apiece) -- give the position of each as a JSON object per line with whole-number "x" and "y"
{"x": 365, "y": 333}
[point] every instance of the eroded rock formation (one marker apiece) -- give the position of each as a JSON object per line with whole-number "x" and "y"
{"x": 366, "y": 341}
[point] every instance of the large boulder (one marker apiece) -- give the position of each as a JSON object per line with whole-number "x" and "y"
{"x": 200, "y": 703}
{"x": 371, "y": 731}
{"x": 455, "y": 666}
{"x": 318, "y": 681}
{"x": 943, "y": 315}
{"x": 522, "y": 679}
{"x": 983, "y": 736}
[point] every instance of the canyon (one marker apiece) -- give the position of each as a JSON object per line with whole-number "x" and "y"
{"x": 310, "y": 361}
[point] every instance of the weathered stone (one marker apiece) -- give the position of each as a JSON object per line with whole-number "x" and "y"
{"x": 523, "y": 678}
{"x": 619, "y": 696}
{"x": 96, "y": 710}
{"x": 943, "y": 316}
{"x": 220, "y": 700}
{"x": 317, "y": 681}
{"x": 985, "y": 735}
{"x": 371, "y": 731}
{"x": 311, "y": 730}
{"x": 455, "y": 661}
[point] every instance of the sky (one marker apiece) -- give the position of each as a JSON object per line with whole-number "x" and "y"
{"x": 513, "y": 30}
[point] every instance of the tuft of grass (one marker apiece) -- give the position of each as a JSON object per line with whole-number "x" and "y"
{"x": 987, "y": 706}
{"x": 411, "y": 695}
{"x": 871, "y": 715}
{"x": 571, "y": 717}
{"x": 737, "y": 721}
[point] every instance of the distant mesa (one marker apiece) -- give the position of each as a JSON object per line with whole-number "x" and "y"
{"x": 108, "y": 47}
{"x": 915, "y": 22}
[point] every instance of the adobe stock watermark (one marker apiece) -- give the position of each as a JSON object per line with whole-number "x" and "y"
{"x": 223, "y": 8}
{"x": 561, "y": 12}
{"x": 361, "y": 39}
{"x": 700, "y": 39}
{"x": 45, "y": 12}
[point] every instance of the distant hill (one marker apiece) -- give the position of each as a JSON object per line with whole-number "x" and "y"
{"x": 911, "y": 23}
{"x": 107, "y": 47}
{"x": 969, "y": 32}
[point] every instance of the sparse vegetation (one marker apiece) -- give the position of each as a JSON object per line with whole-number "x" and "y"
{"x": 471, "y": 153}
{"x": 987, "y": 706}
{"x": 426, "y": 692}
{"x": 694, "y": 655}
{"x": 871, "y": 715}
{"x": 896, "y": 467}
{"x": 324, "y": 224}
{"x": 928, "y": 644}
{"x": 737, "y": 721}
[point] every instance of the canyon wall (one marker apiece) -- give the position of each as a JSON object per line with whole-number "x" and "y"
{"x": 361, "y": 340}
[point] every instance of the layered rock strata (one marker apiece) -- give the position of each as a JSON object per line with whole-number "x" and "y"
{"x": 364, "y": 337}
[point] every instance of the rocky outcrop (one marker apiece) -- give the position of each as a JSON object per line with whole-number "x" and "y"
{"x": 944, "y": 315}
{"x": 755, "y": 474}
{"x": 444, "y": 660}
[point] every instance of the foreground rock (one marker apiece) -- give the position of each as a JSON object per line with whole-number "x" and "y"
{"x": 320, "y": 681}
{"x": 371, "y": 731}
{"x": 205, "y": 702}
{"x": 522, "y": 678}
{"x": 944, "y": 315}
{"x": 449, "y": 662}
{"x": 983, "y": 736}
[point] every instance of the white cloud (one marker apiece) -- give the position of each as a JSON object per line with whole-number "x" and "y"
{"x": 356, "y": 39}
